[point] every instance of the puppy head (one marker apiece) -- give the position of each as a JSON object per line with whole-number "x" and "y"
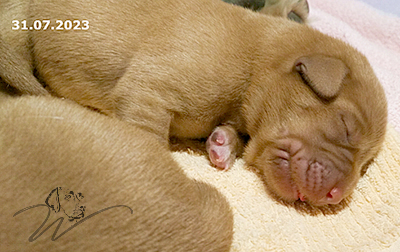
{"x": 296, "y": 10}
{"x": 62, "y": 199}
{"x": 315, "y": 119}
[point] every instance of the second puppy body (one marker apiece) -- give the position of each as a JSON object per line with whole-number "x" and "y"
{"x": 296, "y": 10}
{"x": 312, "y": 106}
{"x": 48, "y": 144}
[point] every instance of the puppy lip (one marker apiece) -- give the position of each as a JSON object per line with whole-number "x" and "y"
{"x": 301, "y": 196}
{"x": 297, "y": 194}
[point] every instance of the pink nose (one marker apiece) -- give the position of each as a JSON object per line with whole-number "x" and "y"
{"x": 334, "y": 196}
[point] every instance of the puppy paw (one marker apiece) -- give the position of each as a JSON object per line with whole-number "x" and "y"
{"x": 223, "y": 145}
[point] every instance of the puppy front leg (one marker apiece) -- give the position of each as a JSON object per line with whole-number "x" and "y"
{"x": 223, "y": 146}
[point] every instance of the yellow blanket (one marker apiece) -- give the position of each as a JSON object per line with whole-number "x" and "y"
{"x": 370, "y": 221}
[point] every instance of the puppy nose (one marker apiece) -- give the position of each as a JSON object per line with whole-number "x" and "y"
{"x": 334, "y": 196}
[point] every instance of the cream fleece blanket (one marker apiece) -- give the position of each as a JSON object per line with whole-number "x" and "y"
{"x": 371, "y": 221}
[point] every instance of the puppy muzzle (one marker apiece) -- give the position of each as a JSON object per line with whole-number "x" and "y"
{"x": 311, "y": 176}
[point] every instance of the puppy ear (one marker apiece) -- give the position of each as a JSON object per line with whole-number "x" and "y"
{"x": 53, "y": 200}
{"x": 324, "y": 75}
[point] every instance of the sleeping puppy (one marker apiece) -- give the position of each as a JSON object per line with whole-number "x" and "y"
{"x": 16, "y": 59}
{"x": 136, "y": 196}
{"x": 296, "y": 10}
{"x": 311, "y": 104}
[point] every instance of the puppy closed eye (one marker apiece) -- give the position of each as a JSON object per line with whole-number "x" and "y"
{"x": 339, "y": 131}
{"x": 352, "y": 128}
{"x": 295, "y": 17}
{"x": 346, "y": 129}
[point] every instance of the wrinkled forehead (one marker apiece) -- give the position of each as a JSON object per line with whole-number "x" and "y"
{"x": 345, "y": 122}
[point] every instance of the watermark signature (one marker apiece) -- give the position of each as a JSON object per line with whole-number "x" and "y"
{"x": 69, "y": 203}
